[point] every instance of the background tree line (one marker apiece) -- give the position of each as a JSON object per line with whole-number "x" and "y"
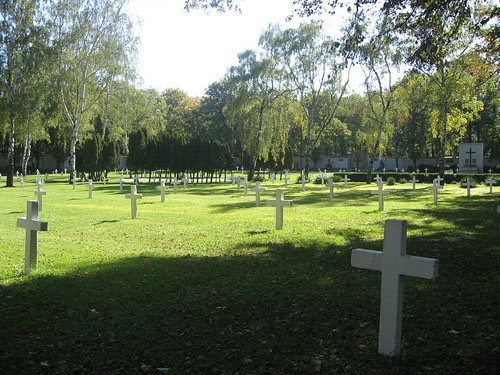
{"x": 67, "y": 87}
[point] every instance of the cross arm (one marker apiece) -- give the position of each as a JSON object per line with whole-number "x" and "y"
{"x": 32, "y": 225}
{"x": 426, "y": 268}
{"x": 368, "y": 259}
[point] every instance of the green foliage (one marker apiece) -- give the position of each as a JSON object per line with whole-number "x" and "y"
{"x": 391, "y": 181}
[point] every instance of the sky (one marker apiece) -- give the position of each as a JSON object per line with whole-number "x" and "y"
{"x": 191, "y": 50}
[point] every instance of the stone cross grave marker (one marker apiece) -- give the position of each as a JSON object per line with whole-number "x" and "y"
{"x": 457, "y": 170}
{"x": 303, "y": 182}
{"x": 380, "y": 192}
{"x": 273, "y": 177}
{"x": 245, "y": 184}
{"x": 62, "y": 174}
{"x": 46, "y": 176}
{"x": 73, "y": 180}
{"x": 22, "y": 180}
{"x": 121, "y": 183}
{"x": 384, "y": 169}
{"x": 439, "y": 179}
{"x": 468, "y": 185}
{"x": 40, "y": 193}
{"x": 238, "y": 182}
{"x": 33, "y": 226}
{"x": 396, "y": 169}
{"x": 133, "y": 196}
{"x": 426, "y": 170}
{"x": 279, "y": 202}
{"x": 162, "y": 189}
{"x": 65, "y": 170}
{"x": 403, "y": 170}
{"x": 90, "y": 187}
{"x": 377, "y": 179}
{"x": 393, "y": 262}
{"x": 257, "y": 190}
{"x": 417, "y": 170}
{"x": 136, "y": 180}
{"x": 233, "y": 180}
{"x": 490, "y": 170}
{"x": 237, "y": 168}
{"x": 175, "y": 183}
{"x": 17, "y": 173}
{"x": 345, "y": 179}
{"x": 185, "y": 180}
{"x": 331, "y": 185}
{"x": 413, "y": 181}
{"x": 435, "y": 187}
{"x": 490, "y": 182}
{"x": 286, "y": 179}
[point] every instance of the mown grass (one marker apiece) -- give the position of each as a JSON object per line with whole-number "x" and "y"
{"x": 204, "y": 284}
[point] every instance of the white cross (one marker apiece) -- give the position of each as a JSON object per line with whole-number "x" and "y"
{"x": 65, "y": 170}
{"x": 345, "y": 179}
{"x": 136, "y": 180}
{"x": 396, "y": 169}
{"x": 417, "y": 170}
{"x": 273, "y": 177}
{"x": 32, "y": 225}
{"x": 490, "y": 181}
{"x": 185, "y": 180}
{"x": 241, "y": 169}
{"x": 403, "y": 170}
{"x": 257, "y": 190}
{"x": 91, "y": 187}
{"x": 393, "y": 263}
{"x": 37, "y": 173}
{"x": 39, "y": 193}
{"x": 380, "y": 192}
{"x": 490, "y": 170}
{"x": 73, "y": 180}
{"x": 378, "y": 178}
{"x": 286, "y": 179}
{"x": 175, "y": 183}
{"x": 17, "y": 173}
{"x": 233, "y": 180}
{"x": 303, "y": 182}
{"x": 435, "y": 186}
{"x": 279, "y": 203}
{"x": 62, "y": 174}
{"x": 121, "y": 183}
{"x": 133, "y": 196}
{"x": 322, "y": 177}
{"x": 330, "y": 184}
{"x": 237, "y": 168}
{"x": 238, "y": 181}
{"x": 22, "y": 180}
{"x": 162, "y": 188}
{"x": 439, "y": 179}
{"x": 46, "y": 176}
{"x": 245, "y": 184}
{"x": 383, "y": 169}
{"x": 457, "y": 170}
{"x": 468, "y": 184}
{"x": 413, "y": 180}
{"x": 426, "y": 169}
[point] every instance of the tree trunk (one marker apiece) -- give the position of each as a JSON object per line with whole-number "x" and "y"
{"x": 11, "y": 167}
{"x": 443, "y": 140}
{"x": 26, "y": 154}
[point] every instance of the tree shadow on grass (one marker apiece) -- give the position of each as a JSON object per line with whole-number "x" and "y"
{"x": 285, "y": 308}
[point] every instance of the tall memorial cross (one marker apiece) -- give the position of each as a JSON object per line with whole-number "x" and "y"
{"x": 393, "y": 263}
{"x": 133, "y": 196}
{"x": 435, "y": 187}
{"x": 345, "y": 179}
{"x": 91, "y": 187}
{"x": 162, "y": 189}
{"x": 40, "y": 193}
{"x": 331, "y": 185}
{"x": 286, "y": 179}
{"x": 32, "y": 226}
{"x": 489, "y": 181}
{"x": 175, "y": 183}
{"x": 245, "y": 184}
{"x": 470, "y": 152}
{"x": 257, "y": 190}
{"x": 413, "y": 181}
{"x": 468, "y": 185}
{"x": 380, "y": 192}
{"x": 279, "y": 203}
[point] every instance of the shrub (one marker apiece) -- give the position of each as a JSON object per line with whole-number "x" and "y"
{"x": 258, "y": 178}
{"x": 402, "y": 181}
{"x": 391, "y": 181}
{"x": 472, "y": 179}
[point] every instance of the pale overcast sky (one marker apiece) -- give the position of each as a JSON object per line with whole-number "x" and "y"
{"x": 191, "y": 50}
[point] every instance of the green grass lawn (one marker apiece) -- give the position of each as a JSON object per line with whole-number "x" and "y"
{"x": 204, "y": 284}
